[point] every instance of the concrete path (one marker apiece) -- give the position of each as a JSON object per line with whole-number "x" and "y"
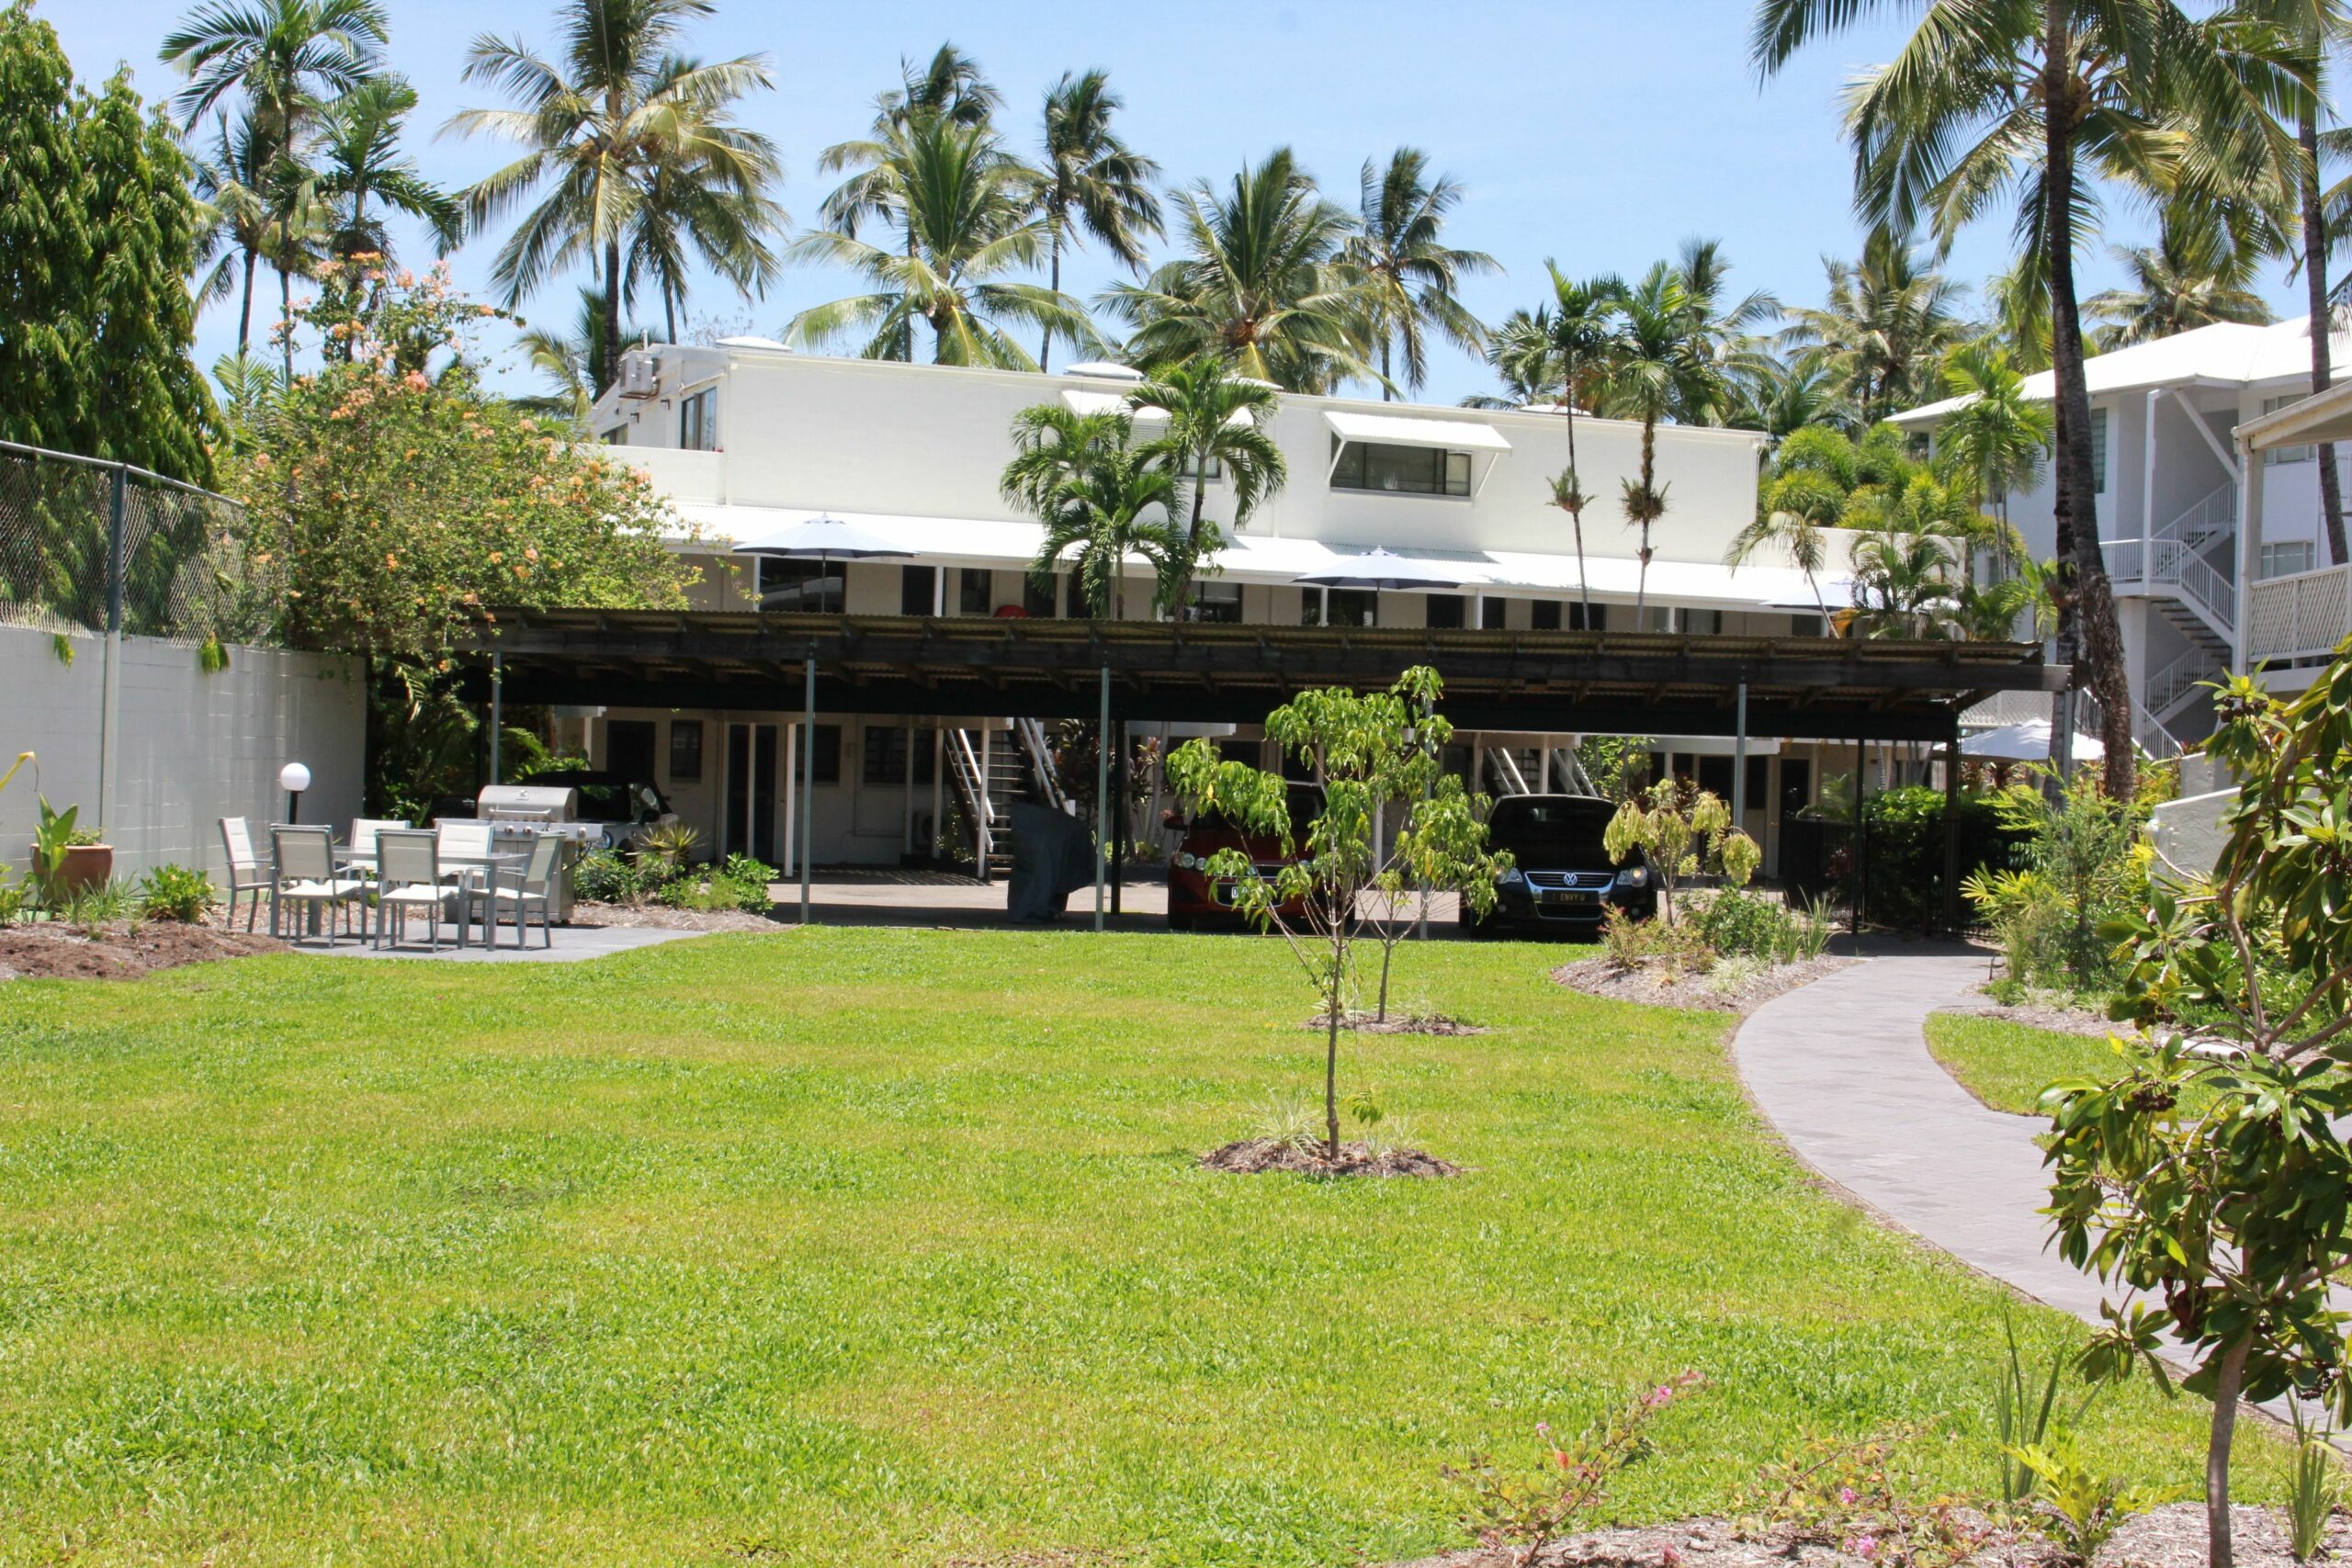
{"x": 1842, "y": 1068}
{"x": 573, "y": 943}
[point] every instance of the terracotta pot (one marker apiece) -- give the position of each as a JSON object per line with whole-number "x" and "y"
{"x": 86, "y": 866}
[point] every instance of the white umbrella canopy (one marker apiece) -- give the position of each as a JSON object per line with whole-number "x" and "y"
{"x": 1379, "y": 568}
{"x": 2027, "y": 742}
{"x": 823, "y": 538}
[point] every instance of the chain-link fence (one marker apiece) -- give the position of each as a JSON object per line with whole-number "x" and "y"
{"x": 97, "y": 547}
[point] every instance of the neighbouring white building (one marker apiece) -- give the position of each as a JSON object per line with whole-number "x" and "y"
{"x": 2191, "y": 583}
{"x": 746, "y": 438}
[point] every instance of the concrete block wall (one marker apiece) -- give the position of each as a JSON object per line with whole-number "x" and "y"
{"x": 192, "y": 747}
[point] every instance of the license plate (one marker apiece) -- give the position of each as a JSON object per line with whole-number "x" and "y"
{"x": 1223, "y": 893}
{"x": 1570, "y": 895}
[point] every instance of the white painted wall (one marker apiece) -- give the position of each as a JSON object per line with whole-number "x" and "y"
{"x": 194, "y": 747}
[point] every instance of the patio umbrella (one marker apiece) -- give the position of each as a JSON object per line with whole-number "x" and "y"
{"x": 1379, "y": 568}
{"x": 2026, "y": 742}
{"x": 825, "y": 540}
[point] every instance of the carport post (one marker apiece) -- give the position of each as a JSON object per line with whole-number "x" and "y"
{"x": 1119, "y": 825}
{"x": 497, "y": 710}
{"x": 1857, "y": 842}
{"x": 1101, "y": 795}
{"x": 808, "y": 778}
{"x": 1739, "y": 766}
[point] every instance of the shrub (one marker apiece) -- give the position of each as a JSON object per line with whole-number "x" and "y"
{"x": 741, "y": 884}
{"x": 1903, "y": 858}
{"x": 2077, "y": 866}
{"x": 672, "y": 843}
{"x": 1630, "y": 944}
{"x": 1526, "y": 1511}
{"x": 177, "y": 892}
{"x": 1863, "y": 1499}
{"x": 606, "y": 877}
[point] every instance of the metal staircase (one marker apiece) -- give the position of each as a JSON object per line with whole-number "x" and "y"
{"x": 1520, "y": 771}
{"x": 992, "y": 770}
{"x": 2185, "y": 569}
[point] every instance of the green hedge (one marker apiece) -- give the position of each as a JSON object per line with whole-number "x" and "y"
{"x": 1904, "y": 862}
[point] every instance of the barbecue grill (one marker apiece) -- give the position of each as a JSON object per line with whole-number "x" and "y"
{"x": 520, "y": 813}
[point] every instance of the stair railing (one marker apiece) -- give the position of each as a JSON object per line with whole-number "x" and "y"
{"x": 1509, "y": 780}
{"x": 1040, "y": 755}
{"x": 972, "y": 783}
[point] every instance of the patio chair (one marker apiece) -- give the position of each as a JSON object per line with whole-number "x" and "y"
{"x": 247, "y": 878}
{"x": 517, "y": 888}
{"x": 461, "y": 837}
{"x": 306, "y": 878}
{"x": 408, "y": 876}
{"x": 364, "y": 830}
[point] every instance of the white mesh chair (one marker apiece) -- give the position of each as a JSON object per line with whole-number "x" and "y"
{"x": 248, "y": 878}
{"x": 460, "y": 837}
{"x": 364, "y": 830}
{"x": 517, "y": 888}
{"x": 465, "y": 844}
{"x": 306, "y": 878}
{"x": 408, "y": 876}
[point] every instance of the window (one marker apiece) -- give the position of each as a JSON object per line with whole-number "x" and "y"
{"x": 1037, "y": 598}
{"x": 1350, "y": 607}
{"x": 1702, "y": 623}
{"x": 1409, "y": 470}
{"x": 685, "y": 750}
{"x": 886, "y": 754}
{"x": 813, "y": 586}
{"x": 1193, "y": 468}
{"x": 2098, "y": 450}
{"x": 698, "y": 421}
{"x": 973, "y": 593}
{"x": 2285, "y": 559}
{"x": 1447, "y": 612}
{"x": 825, "y": 754}
{"x": 1218, "y": 602}
{"x": 1491, "y": 615}
{"x": 1543, "y": 616}
{"x": 917, "y": 585}
{"x": 2279, "y": 455}
{"x": 1578, "y": 617}
{"x": 926, "y": 756}
{"x": 616, "y": 436}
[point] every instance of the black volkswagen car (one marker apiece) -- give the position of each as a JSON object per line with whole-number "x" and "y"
{"x": 1564, "y": 879}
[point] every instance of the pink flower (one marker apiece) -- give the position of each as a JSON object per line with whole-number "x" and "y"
{"x": 1669, "y": 1557}
{"x": 416, "y": 382}
{"x": 1863, "y": 1545}
{"x": 1849, "y": 1497}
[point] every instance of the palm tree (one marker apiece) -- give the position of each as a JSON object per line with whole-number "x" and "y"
{"x": 1092, "y": 181}
{"x": 1998, "y": 437}
{"x": 572, "y": 363}
{"x": 1780, "y": 400}
{"x": 1987, "y": 100}
{"x": 1084, "y": 480}
{"x": 1793, "y": 518}
{"x": 229, "y": 182}
{"x": 1520, "y": 348}
{"x": 1881, "y": 329}
{"x": 1721, "y": 328}
{"x": 1263, "y": 284}
{"x": 360, "y": 158}
{"x": 1409, "y": 271}
{"x": 1216, "y": 424}
{"x": 2194, "y": 275}
{"x": 969, "y": 216}
{"x": 1903, "y": 584}
{"x": 1579, "y": 327}
{"x": 286, "y": 57}
{"x": 1659, "y": 361}
{"x": 617, "y": 126}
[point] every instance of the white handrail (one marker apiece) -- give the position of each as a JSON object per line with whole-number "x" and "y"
{"x": 1514, "y": 782}
{"x": 1041, "y": 762}
{"x": 2175, "y": 681}
{"x": 2216, "y": 513}
{"x": 2176, "y": 563}
{"x": 968, "y": 772}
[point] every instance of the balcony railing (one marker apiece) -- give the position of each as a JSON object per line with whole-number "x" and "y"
{"x": 2303, "y": 615}
{"x": 2173, "y": 563}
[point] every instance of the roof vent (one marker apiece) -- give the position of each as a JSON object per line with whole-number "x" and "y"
{"x": 1100, "y": 371}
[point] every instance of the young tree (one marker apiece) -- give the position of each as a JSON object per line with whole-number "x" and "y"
{"x": 2214, "y": 1177}
{"x": 1658, "y": 364}
{"x": 1576, "y": 329}
{"x": 1371, "y": 750}
{"x": 1093, "y": 490}
{"x": 1681, "y": 830}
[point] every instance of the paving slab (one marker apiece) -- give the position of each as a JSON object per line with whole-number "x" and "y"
{"x": 572, "y": 945}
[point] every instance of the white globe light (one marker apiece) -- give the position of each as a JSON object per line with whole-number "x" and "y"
{"x": 293, "y": 778}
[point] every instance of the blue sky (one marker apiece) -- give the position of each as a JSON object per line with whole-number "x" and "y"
{"x": 1601, "y": 132}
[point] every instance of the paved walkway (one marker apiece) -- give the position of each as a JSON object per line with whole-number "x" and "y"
{"x": 1841, "y": 1067}
{"x": 572, "y": 945}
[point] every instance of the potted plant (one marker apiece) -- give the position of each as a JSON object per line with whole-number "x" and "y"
{"x": 67, "y": 859}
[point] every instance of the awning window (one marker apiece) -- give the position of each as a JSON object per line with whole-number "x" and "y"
{"x": 1404, "y": 430}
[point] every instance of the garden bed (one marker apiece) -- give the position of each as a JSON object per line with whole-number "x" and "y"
{"x": 660, "y": 917}
{"x": 1662, "y": 983}
{"x": 1402, "y": 1023}
{"x": 119, "y": 951}
{"x": 1250, "y": 1157}
{"x": 2043, "y": 1009}
{"x": 2169, "y": 1537}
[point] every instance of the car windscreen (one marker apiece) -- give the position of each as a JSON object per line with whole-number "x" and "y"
{"x": 1306, "y": 806}
{"x": 1560, "y": 833}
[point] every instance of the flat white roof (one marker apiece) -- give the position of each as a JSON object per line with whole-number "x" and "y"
{"x": 2225, "y": 354}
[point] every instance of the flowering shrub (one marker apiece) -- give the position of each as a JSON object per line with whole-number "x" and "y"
{"x": 1857, "y": 1498}
{"x": 404, "y": 499}
{"x": 1525, "y": 1512}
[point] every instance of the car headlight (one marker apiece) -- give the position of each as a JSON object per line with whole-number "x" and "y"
{"x": 1633, "y": 876}
{"x": 1186, "y": 861}
{"x": 1514, "y": 877}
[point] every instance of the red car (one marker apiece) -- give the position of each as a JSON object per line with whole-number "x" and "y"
{"x": 1194, "y": 898}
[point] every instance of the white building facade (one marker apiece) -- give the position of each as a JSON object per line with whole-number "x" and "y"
{"x": 746, "y": 438}
{"x": 2173, "y": 490}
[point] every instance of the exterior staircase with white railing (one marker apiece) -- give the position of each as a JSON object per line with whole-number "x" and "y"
{"x": 992, "y": 770}
{"x": 1520, "y": 771}
{"x": 2185, "y": 569}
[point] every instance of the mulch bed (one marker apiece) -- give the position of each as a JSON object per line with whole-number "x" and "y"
{"x": 660, "y": 917}
{"x": 1252, "y": 1156}
{"x": 2169, "y": 1537}
{"x": 2043, "y": 1013}
{"x": 1662, "y": 985}
{"x": 50, "y": 951}
{"x": 1401, "y": 1023}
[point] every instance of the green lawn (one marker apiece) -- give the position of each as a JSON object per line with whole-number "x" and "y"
{"x": 888, "y": 1247}
{"x": 2007, "y": 1065}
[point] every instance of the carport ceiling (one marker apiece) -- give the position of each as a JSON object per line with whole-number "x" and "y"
{"x": 1608, "y": 683}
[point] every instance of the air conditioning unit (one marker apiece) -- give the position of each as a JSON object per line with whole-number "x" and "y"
{"x": 640, "y": 375}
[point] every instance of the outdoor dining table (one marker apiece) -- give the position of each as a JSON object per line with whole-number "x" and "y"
{"x": 472, "y": 867}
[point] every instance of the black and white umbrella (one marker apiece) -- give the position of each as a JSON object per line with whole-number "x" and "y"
{"x": 1380, "y": 568}
{"x": 823, "y": 540}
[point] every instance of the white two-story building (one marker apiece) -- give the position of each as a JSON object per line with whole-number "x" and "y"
{"x": 2172, "y": 492}
{"x": 746, "y": 438}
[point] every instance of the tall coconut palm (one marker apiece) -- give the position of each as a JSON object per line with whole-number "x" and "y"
{"x": 1998, "y": 437}
{"x": 1660, "y": 360}
{"x": 1262, "y": 285}
{"x": 1995, "y": 99}
{"x": 1881, "y": 329}
{"x": 615, "y": 125}
{"x": 1409, "y": 271}
{"x": 1580, "y": 324}
{"x": 1520, "y": 348}
{"x": 1093, "y": 183}
{"x": 1215, "y": 424}
{"x": 1723, "y": 326}
{"x": 2194, "y": 275}
{"x": 969, "y": 217}
{"x": 230, "y": 181}
{"x": 1782, "y": 399}
{"x": 286, "y": 57}
{"x": 361, "y": 161}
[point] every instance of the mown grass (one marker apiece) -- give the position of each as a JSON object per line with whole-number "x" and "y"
{"x": 2008, "y": 1065}
{"x": 888, "y": 1247}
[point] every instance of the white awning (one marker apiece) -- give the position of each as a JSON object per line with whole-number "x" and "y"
{"x": 1078, "y": 399}
{"x": 1413, "y": 430}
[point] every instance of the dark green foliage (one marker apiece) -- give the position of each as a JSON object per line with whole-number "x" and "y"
{"x": 177, "y": 892}
{"x": 98, "y": 235}
{"x": 1903, "y": 862}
